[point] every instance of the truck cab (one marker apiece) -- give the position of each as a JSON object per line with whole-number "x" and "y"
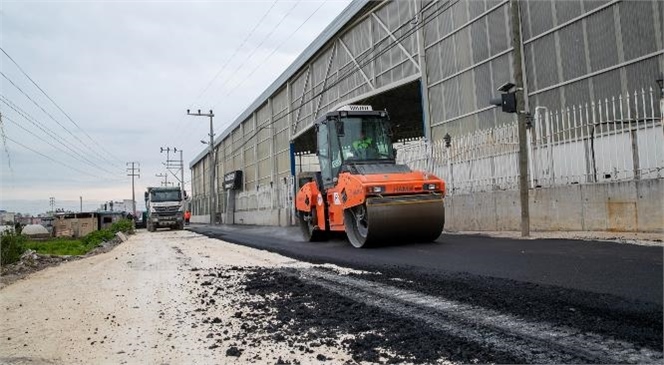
{"x": 164, "y": 207}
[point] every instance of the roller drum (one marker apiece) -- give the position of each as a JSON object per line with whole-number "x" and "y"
{"x": 411, "y": 218}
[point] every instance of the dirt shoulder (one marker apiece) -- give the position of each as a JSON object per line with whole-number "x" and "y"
{"x": 136, "y": 304}
{"x": 31, "y": 262}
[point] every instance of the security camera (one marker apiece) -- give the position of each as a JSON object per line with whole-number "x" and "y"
{"x": 187, "y": 111}
{"x": 506, "y": 87}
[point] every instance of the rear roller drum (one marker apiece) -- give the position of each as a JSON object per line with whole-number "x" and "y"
{"x": 308, "y": 225}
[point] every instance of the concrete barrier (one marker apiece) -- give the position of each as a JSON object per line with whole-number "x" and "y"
{"x": 630, "y": 206}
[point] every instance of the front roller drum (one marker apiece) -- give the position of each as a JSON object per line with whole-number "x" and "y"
{"x": 414, "y": 218}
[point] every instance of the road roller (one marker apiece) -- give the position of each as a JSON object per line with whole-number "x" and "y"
{"x": 361, "y": 190}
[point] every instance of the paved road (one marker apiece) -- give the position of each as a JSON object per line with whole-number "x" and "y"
{"x": 627, "y": 271}
{"x": 542, "y": 301}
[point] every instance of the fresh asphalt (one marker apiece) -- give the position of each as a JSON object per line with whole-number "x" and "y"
{"x": 607, "y": 291}
{"x": 627, "y": 271}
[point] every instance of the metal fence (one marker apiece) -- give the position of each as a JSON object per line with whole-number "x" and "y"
{"x": 266, "y": 197}
{"x": 616, "y": 139}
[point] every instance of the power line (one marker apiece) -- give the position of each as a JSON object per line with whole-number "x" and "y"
{"x": 236, "y": 51}
{"x": 244, "y": 62}
{"x": 50, "y": 158}
{"x": 52, "y": 118}
{"x": 45, "y": 141}
{"x": 421, "y": 23}
{"x": 56, "y": 104}
{"x": 4, "y": 142}
{"x": 274, "y": 50}
{"x": 47, "y": 131}
{"x": 223, "y": 67}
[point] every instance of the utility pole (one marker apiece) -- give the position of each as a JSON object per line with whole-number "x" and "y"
{"x": 165, "y": 182}
{"x": 80, "y": 198}
{"x": 517, "y": 65}
{"x": 174, "y": 164}
{"x": 211, "y": 163}
{"x": 133, "y": 171}
{"x": 51, "y": 202}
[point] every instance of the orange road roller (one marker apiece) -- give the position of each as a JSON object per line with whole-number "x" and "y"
{"x": 360, "y": 189}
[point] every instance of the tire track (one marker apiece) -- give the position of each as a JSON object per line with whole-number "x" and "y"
{"x": 536, "y": 342}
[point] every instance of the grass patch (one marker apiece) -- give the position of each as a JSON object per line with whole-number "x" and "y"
{"x": 60, "y": 246}
{"x": 13, "y": 245}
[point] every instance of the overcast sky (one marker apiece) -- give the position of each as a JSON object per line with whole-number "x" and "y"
{"x": 125, "y": 72}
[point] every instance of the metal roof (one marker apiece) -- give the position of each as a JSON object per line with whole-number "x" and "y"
{"x": 328, "y": 33}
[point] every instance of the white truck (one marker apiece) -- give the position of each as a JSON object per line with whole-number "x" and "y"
{"x": 164, "y": 207}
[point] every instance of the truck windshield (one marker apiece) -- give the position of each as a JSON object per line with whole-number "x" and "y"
{"x": 166, "y": 196}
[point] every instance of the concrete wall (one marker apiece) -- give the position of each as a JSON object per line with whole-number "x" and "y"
{"x": 268, "y": 217}
{"x": 201, "y": 219}
{"x": 634, "y": 206}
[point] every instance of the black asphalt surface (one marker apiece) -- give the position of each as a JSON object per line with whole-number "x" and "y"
{"x": 602, "y": 289}
{"x": 628, "y": 271}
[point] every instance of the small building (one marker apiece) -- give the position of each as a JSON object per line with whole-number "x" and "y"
{"x": 6, "y": 218}
{"x": 106, "y": 218}
{"x": 75, "y": 224}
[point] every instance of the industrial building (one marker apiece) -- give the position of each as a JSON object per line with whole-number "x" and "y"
{"x": 590, "y": 74}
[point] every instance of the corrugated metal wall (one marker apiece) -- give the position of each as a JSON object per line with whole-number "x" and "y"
{"x": 573, "y": 51}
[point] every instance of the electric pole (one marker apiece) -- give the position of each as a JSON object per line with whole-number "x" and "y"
{"x": 212, "y": 166}
{"x": 133, "y": 171}
{"x": 165, "y": 182}
{"x": 174, "y": 165}
{"x": 517, "y": 65}
{"x": 80, "y": 198}
{"x": 51, "y": 202}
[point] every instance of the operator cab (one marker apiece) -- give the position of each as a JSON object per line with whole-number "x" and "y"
{"x": 352, "y": 138}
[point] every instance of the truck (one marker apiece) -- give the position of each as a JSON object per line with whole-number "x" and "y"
{"x": 164, "y": 207}
{"x": 360, "y": 189}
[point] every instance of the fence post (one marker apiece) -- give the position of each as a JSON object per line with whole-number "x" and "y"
{"x": 530, "y": 137}
{"x": 448, "y": 145}
{"x": 634, "y": 137}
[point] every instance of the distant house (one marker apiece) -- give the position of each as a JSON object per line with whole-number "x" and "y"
{"x": 106, "y": 219}
{"x": 6, "y": 218}
{"x": 75, "y": 224}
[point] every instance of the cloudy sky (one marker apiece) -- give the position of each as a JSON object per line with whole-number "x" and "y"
{"x": 124, "y": 73}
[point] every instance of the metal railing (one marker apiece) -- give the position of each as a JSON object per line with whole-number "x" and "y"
{"x": 266, "y": 197}
{"x": 617, "y": 139}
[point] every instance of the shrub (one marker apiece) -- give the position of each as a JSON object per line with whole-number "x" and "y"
{"x": 12, "y": 246}
{"x": 123, "y": 225}
{"x": 93, "y": 239}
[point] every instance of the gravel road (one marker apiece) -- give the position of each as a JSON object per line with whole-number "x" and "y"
{"x": 137, "y": 304}
{"x": 177, "y": 297}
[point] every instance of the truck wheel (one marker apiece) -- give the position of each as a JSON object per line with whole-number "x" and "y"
{"x": 150, "y": 227}
{"x": 310, "y": 230}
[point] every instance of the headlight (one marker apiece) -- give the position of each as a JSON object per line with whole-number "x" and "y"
{"x": 375, "y": 189}
{"x": 430, "y": 187}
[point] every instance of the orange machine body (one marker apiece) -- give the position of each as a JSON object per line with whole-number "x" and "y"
{"x": 352, "y": 190}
